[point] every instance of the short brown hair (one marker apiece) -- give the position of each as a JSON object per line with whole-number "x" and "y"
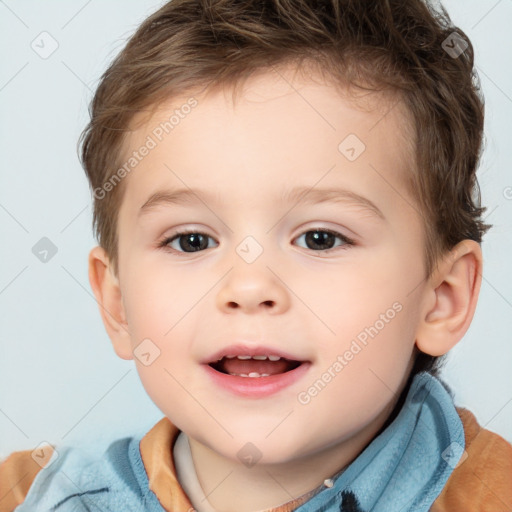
{"x": 383, "y": 45}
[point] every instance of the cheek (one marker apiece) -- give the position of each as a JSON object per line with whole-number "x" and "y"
{"x": 157, "y": 300}
{"x": 170, "y": 391}
{"x": 375, "y": 340}
{"x": 354, "y": 304}
{"x": 358, "y": 382}
{"x": 162, "y": 302}
{"x": 364, "y": 365}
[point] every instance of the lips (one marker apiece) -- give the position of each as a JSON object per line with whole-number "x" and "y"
{"x": 241, "y": 361}
{"x": 255, "y": 366}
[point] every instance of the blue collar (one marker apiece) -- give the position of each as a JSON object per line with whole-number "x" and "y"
{"x": 405, "y": 468}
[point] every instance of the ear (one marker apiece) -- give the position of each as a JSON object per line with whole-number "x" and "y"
{"x": 105, "y": 286}
{"x": 451, "y": 298}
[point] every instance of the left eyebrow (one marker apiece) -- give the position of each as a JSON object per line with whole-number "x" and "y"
{"x": 306, "y": 195}
{"x": 301, "y": 195}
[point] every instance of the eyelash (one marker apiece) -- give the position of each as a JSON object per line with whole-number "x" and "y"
{"x": 163, "y": 244}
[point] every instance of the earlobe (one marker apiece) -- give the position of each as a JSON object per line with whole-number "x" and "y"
{"x": 451, "y": 298}
{"x": 105, "y": 286}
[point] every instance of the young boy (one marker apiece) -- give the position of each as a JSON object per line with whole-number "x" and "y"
{"x": 284, "y": 195}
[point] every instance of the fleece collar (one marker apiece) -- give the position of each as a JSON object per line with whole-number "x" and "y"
{"x": 405, "y": 468}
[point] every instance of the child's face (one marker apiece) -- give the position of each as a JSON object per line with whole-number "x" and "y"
{"x": 262, "y": 280}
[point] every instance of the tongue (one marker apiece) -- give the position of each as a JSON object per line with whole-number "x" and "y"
{"x": 253, "y": 365}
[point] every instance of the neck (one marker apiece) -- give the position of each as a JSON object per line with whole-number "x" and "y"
{"x": 230, "y": 486}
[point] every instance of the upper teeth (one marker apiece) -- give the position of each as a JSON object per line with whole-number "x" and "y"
{"x": 259, "y": 358}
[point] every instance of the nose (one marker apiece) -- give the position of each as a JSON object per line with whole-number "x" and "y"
{"x": 253, "y": 288}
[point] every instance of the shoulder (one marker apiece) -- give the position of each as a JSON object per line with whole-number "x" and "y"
{"x": 17, "y": 472}
{"x": 481, "y": 480}
{"x": 70, "y": 474}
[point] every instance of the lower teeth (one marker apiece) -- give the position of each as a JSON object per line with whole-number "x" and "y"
{"x": 252, "y": 374}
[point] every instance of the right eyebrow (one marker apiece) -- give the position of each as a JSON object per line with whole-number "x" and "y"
{"x": 173, "y": 197}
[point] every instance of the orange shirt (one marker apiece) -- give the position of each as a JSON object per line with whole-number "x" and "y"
{"x": 482, "y": 482}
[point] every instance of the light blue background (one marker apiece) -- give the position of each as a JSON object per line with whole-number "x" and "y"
{"x": 60, "y": 380}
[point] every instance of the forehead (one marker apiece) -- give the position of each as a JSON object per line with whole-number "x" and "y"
{"x": 282, "y": 123}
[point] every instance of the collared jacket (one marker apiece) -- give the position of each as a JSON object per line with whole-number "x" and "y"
{"x": 432, "y": 457}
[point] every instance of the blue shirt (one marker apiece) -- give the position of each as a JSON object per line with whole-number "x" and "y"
{"x": 404, "y": 469}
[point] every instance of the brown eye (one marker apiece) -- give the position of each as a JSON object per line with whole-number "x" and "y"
{"x": 187, "y": 242}
{"x": 323, "y": 240}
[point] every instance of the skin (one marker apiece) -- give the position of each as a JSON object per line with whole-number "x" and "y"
{"x": 292, "y": 297}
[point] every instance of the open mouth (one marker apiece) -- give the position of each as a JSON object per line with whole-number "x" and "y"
{"x": 254, "y": 366}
